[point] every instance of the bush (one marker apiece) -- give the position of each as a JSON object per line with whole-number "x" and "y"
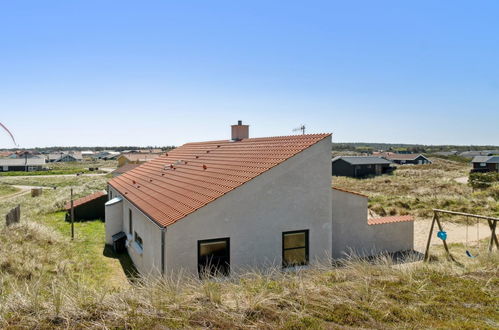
{"x": 483, "y": 180}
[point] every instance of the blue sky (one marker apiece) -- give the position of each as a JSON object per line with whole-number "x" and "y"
{"x": 169, "y": 72}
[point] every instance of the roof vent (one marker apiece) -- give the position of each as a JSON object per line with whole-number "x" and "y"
{"x": 204, "y": 167}
{"x": 240, "y": 131}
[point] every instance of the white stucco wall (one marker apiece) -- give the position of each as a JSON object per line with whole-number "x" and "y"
{"x": 352, "y": 234}
{"x": 294, "y": 195}
{"x": 147, "y": 260}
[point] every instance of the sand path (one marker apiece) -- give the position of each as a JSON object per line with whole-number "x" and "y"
{"x": 456, "y": 233}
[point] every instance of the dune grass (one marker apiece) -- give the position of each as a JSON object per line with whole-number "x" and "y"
{"x": 42, "y": 286}
{"x": 7, "y": 189}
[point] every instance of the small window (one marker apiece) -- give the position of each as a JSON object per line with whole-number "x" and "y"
{"x": 483, "y": 164}
{"x": 110, "y": 194}
{"x": 138, "y": 240}
{"x": 130, "y": 221}
{"x": 295, "y": 248}
{"x": 214, "y": 257}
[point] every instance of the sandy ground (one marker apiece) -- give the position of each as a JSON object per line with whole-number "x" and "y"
{"x": 463, "y": 179}
{"x": 456, "y": 233}
{"x": 23, "y": 190}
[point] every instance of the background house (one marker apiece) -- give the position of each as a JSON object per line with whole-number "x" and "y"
{"x": 135, "y": 158}
{"x": 485, "y": 164}
{"x": 123, "y": 169}
{"x": 359, "y": 166}
{"x": 406, "y": 158}
{"x": 21, "y": 164}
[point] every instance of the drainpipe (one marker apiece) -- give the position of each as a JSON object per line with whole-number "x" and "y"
{"x": 163, "y": 232}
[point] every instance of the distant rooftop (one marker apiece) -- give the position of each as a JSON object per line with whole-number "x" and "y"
{"x": 362, "y": 160}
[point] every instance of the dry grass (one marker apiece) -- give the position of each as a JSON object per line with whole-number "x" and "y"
{"x": 416, "y": 190}
{"x": 40, "y": 288}
{"x": 7, "y": 190}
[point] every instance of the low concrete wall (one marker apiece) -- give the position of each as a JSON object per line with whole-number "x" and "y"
{"x": 352, "y": 234}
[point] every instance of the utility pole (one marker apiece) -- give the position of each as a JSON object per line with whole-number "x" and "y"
{"x": 72, "y": 217}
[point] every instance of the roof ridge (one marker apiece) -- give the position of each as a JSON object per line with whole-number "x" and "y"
{"x": 167, "y": 198}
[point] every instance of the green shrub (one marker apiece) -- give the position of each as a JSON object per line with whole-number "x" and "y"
{"x": 483, "y": 180}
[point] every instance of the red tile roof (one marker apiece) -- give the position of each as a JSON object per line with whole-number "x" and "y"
{"x": 187, "y": 178}
{"x": 83, "y": 200}
{"x": 349, "y": 191}
{"x": 383, "y": 220}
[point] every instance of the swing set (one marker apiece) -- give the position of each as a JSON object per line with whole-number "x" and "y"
{"x": 443, "y": 234}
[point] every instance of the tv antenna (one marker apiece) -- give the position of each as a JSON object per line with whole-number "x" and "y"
{"x": 301, "y": 128}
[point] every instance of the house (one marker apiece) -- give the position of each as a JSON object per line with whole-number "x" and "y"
{"x": 356, "y": 233}
{"x": 23, "y": 154}
{"x": 59, "y": 157}
{"x": 402, "y": 159}
{"x": 471, "y": 154}
{"x": 359, "y": 166}
{"x": 90, "y": 207}
{"x": 87, "y": 153}
{"x": 135, "y": 158}
{"x": 230, "y": 205}
{"x": 123, "y": 169}
{"x": 21, "y": 164}
{"x": 485, "y": 164}
{"x": 106, "y": 155}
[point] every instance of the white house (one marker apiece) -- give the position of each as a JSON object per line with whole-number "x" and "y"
{"x": 228, "y": 205}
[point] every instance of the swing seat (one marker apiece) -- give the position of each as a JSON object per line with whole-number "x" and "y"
{"x": 468, "y": 253}
{"x": 442, "y": 235}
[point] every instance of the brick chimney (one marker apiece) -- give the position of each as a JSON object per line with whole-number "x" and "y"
{"x": 240, "y": 131}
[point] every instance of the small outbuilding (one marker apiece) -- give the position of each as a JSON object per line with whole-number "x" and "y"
{"x": 90, "y": 207}
{"x": 485, "y": 164}
{"x": 360, "y": 166}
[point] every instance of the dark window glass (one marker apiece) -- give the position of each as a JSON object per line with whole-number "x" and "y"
{"x": 295, "y": 248}
{"x": 213, "y": 257}
{"x": 138, "y": 240}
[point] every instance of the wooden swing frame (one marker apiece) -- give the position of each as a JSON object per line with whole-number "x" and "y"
{"x": 491, "y": 221}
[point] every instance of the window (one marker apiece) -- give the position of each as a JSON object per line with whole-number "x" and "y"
{"x": 483, "y": 164}
{"x": 138, "y": 240}
{"x": 295, "y": 248}
{"x": 110, "y": 194}
{"x": 130, "y": 221}
{"x": 214, "y": 257}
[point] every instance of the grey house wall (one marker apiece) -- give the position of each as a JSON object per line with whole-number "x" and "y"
{"x": 294, "y": 195}
{"x": 352, "y": 234}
